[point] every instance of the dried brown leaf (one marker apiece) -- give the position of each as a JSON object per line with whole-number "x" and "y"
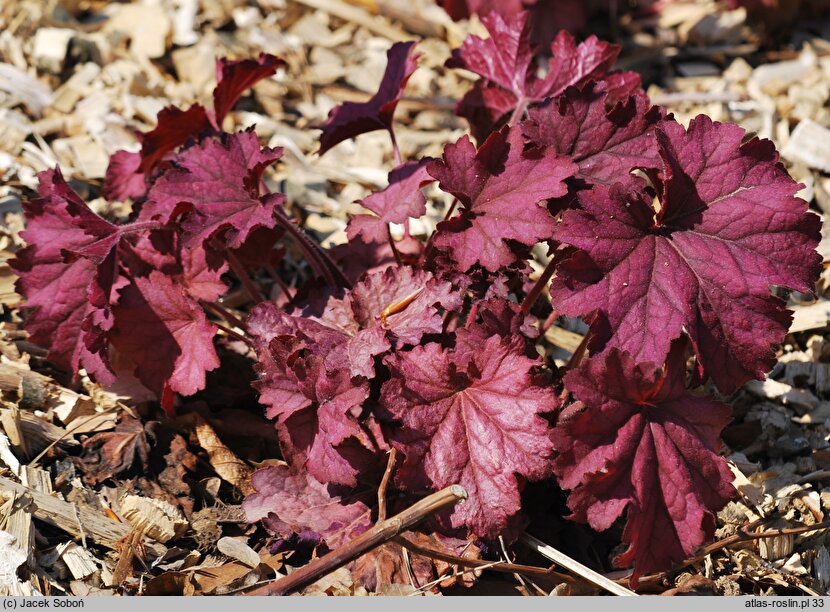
{"x": 112, "y": 453}
{"x": 227, "y": 465}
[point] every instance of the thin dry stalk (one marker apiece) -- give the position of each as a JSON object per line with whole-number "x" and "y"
{"x": 369, "y": 540}
{"x": 384, "y": 484}
{"x": 507, "y": 568}
{"x": 549, "y": 552}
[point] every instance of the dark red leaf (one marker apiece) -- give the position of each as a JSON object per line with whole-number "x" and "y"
{"x": 234, "y": 77}
{"x": 495, "y": 316}
{"x": 69, "y": 274}
{"x": 174, "y": 127}
{"x": 351, "y": 119}
{"x": 474, "y": 422}
{"x": 399, "y": 202}
{"x": 359, "y": 257}
{"x": 258, "y": 249}
{"x": 288, "y": 501}
{"x": 576, "y": 64}
{"x": 546, "y": 16}
{"x": 166, "y": 334}
{"x": 388, "y": 309}
{"x": 500, "y": 187}
{"x": 201, "y": 274}
{"x": 197, "y": 270}
{"x": 606, "y": 143}
{"x": 509, "y": 83}
{"x": 316, "y": 407}
{"x": 124, "y": 179}
{"x": 639, "y": 442}
{"x": 651, "y": 275}
{"x": 215, "y": 187}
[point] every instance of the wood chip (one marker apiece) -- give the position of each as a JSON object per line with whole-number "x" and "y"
{"x": 148, "y": 27}
{"x": 68, "y": 94}
{"x": 12, "y": 556}
{"x": 34, "y": 94}
{"x": 809, "y": 144}
{"x": 19, "y": 524}
{"x": 814, "y": 316}
{"x": 50, "y": 47}
{"x": 78, "y": 520}
{"x": 80, "y": 561}
{"x": 353, "y": 14}
{"x": 156, "y": 518}
{"x": 7, "y": 456}
{"x": 238, "y": 550}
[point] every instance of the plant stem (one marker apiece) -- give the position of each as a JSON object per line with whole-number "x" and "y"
{"x": 540, "y": 285}
{"x": 579, "y": 353}
{"x": 395, "y": 251}
{"x": 246, "y": 281}
{"x": 272, "y": 272}
{"x": 430, "y": 246}
{"x": 368, "y": 540}
{"x": 234, "y": 334}
{"x": 549, "y": 552}
{"x": 318, "y": 259}
{"x": 139, "y": 226}
{"x": 509, "y": 568}
{"x": 395, "y": 149}
{"x": 219, "y": 310}
{"x": 550, "y": 321}
{"x": 518, "y": 112}
{"x": 384, "y": 484}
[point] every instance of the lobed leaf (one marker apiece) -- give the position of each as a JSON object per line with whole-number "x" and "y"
{"x": 509, "y": 83}
{"x": 606, "y": 143}
{"x": 69, "y": 275}
{"x": 474, "y": 420}
{"x": 166, "y": 335}
{"x": 399, "y": 202}
{"x": 639, "y": 443}
{"x": 127, "y": 172}
{"x": 352, "y": 119}
{"x": 500, "y": 187}
{"x": 288, "y": 501}
{"x": 214, "y": 187}
{"x": 650, "y": 276}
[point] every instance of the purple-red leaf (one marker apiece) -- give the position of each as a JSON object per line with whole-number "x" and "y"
{"x": 174, "y": 127}
{"x": 234, "y": 77}
{"x": 546, "y": 16}
{"x": 166, "y": 335}
{"x": 351, "y": 119}
{"x": 728, "y": 227}
{"x": 399, "y": 202}
{"x": 215, "y": 186}
{"x": 69, "y": 274}
{"x": 475, "y": 422}
{"x": 500, "y": 187}
{"x": 395, "y": 307}
{"x": 509, "y": 83}
{"x": 639, "y": 442}
{"x": 316, "y": 407}
{"x": 124, "y": 179}
{"x": 288, "y": 502}
{"x": 606, "y": 143}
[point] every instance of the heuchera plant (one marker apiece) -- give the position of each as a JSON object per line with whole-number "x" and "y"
{"x": 665, "y": 239}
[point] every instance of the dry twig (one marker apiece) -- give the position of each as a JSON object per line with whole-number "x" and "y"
{"x": 576, "y": 567}
{"x": 374, "y": 537}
